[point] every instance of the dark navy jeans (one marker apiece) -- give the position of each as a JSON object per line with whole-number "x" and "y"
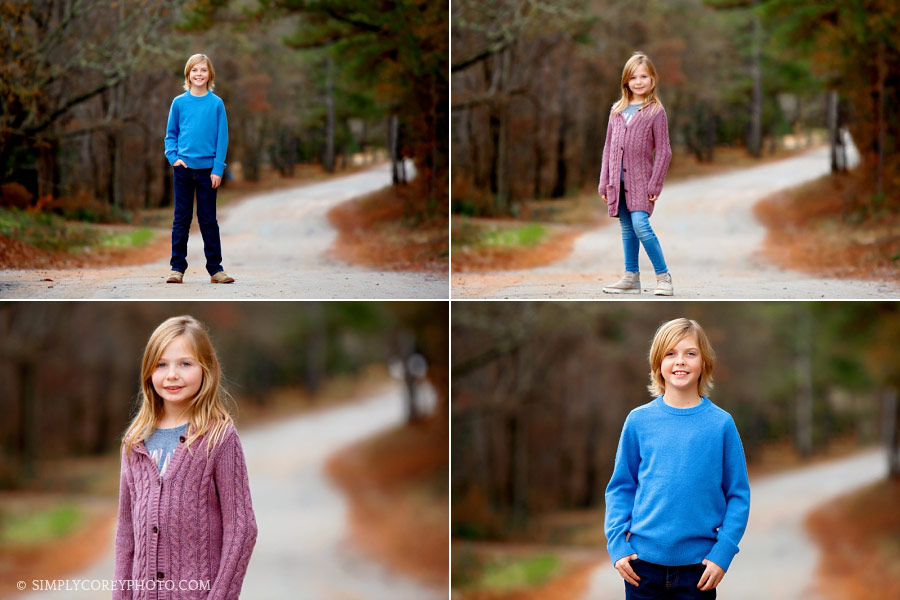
{"x": 187, "y": 182}
{"x": 659, "y": 582}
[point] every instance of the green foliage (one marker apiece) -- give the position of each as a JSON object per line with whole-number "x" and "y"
{"x": 35, "y": 526}
{"x": 131, "y": 239}
{"x": 45, "y": 231}
{"x": 514, "y": 573}
{"x": 50, "y": 232}
{"x": 527, "y": 235}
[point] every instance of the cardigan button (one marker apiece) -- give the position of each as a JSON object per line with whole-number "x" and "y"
{"x": 159, "y": 574}
{"x": 181, "y": 439}
{"x": 155, "y": 529}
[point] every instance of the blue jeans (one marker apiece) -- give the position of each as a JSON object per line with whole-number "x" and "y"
{"x": 659, "y": 582}
{"x": 636, "y": 230}
{"x": 187, "y": 182}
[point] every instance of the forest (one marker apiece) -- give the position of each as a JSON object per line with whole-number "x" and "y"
{"x": 533, "y": 82}
{"x": 72, "y": 370}
{"x": 540, "y": 392}
{"x": 86, "y": 87}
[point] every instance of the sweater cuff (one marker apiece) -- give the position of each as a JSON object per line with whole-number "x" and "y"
{"x": 218, "y": 168}
{"x": 620, "y": 549}
{"x": 722, "y": 553}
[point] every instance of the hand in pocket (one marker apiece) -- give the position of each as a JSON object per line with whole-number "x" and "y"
{"x": 623, "y": 566}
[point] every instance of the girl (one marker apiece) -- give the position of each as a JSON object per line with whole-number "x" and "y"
{"x": 678, "y": 499}
{"x": 186, "y": 527}
{"x": 196, "y": 144}
{"x": 630, "y": 179}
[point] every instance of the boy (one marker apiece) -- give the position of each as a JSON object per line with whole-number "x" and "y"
{"x": 196, "y": 144}
{"x": 678, "y": 499}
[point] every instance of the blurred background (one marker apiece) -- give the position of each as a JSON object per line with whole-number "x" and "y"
{"x": 539, "y": 395}
{"x": 342, "y": 410}
{"x": 743, "y": 81}
{"x": 311, "y": 88}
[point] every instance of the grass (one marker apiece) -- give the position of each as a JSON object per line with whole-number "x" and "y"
{"x": 474, "y": 234}
{"x": 505, "y": 573}
{"x": 516, "y": 573}
{"x": 50, "y": 232}
{"x": 129, "y": 239}
{"x": 37, "y": 526}
{"x": 527, "y": 235}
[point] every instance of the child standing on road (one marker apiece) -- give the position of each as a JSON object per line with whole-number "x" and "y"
{"x": 186, "y": 522}
{"x": 196, "y": 144}
{"x": 631, "y": 180}
{"x": 678, "y": 499}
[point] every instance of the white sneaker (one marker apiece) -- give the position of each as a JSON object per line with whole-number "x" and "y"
{"x": 664, "y": 285}
{"x": 629, "y": 284}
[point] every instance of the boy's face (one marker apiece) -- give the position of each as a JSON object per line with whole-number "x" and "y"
{"x": 682, "y": 365}
{"x": 199, "y": 75}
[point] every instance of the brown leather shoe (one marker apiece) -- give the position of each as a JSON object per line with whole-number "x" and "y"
{"x": 175, "y": 277}
{"x": 221, "y": 277}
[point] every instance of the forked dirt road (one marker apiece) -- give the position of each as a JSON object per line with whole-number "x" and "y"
{"x": 275, "y": 244}
{"x": 711, "y": 241}
{"x": 778, "y": 559}
{"x": 304, "y": 548}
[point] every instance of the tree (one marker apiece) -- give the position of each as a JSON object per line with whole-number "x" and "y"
{"x": 400, "y": 50}
{"x": 854, "y": 45}
{"x": 56, "y": 56}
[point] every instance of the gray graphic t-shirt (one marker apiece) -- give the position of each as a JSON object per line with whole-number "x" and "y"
{"x": 628, "y": 112}
{"x": 161, "y": 446}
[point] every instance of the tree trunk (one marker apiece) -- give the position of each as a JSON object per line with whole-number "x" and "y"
{"x": 538, "y": 146}
{"x": 27, "y": 410}
{"x": 397, "y": 170}
{"x": 432, "y": 168}
{"x": 755, "y": 138}
{"x": 882, "y": 127}
{"x": 559, "y": 187}
{"x": 328, "y": 157}
{"x": 891, "y": 433}
{"x": 499, "y": 128}
{"x": 834, "y": 131}
{"x": 48, "y": 168}
{"x": 803, "y": 368}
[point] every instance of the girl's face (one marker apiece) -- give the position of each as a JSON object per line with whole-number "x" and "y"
{"x": 199, "y": 75}
{"x": 640, "y": 82}
{"x": 682, "y": 365}
{"x": 178, "y": 375}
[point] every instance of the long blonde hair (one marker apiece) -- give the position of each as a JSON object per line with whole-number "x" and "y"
{"x": 637, "y": 59}
{"x": 667, "y": 337}
{"x": 208, "y": 414}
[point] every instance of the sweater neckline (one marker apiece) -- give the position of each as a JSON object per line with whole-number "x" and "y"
{"x": 704, "y": 404}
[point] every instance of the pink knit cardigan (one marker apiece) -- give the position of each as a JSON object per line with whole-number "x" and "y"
{"x": 197, "y": 524}
{"x": 634, "y": 144}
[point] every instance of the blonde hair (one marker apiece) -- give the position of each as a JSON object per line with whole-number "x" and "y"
{"x": 667, "y": 337}
{"x": 637, "y": 59}
{"x": 207, "y": 409}
{"x": 191, "y": 63}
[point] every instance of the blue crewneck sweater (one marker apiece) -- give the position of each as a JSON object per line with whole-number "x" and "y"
{"x": 679, "y": 491}
{"x": 197, "y": 132}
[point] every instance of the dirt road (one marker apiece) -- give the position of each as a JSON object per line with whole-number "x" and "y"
{"x": 711, "y": 241}
{"x": 303, "y": 549}
{"x": 276, "y": 245}
{"x": 778, "y": 560}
